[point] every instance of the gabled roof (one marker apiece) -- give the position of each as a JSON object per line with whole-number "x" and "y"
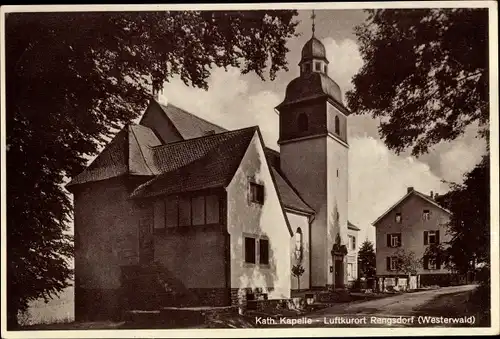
{"x": 353, "y": 227}
{"x": 127, "y": 153}
{"x": 409, "y": 194}
{"x": 214, "y": 166}
{"x": 189, "y": 125}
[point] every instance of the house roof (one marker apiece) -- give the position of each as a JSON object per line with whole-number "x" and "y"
{"x": 200, "y": 161}
{"x": 125, "y": 154}
{"x": 213, "y": 165}
{"x": 189, "y": 125}
{"x": 405, "y": 197}
{"x": 288, "y": 195}
{"x": 353, "y": 227}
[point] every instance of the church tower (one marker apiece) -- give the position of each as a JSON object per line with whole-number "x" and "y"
{"x": 314, "y": 157}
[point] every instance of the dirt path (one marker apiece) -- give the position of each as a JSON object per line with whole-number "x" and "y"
{"x": 398, "y": 305}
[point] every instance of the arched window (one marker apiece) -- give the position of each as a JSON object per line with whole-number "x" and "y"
{"x": 298, "y": 244}
{"x": 337, "y": 125}
{"x": 303, "y": 122}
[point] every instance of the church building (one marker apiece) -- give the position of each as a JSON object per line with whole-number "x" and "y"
{"x": 213, "y": 214}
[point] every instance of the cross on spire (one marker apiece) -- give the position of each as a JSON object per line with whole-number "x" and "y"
{"x": 313, "y": 16}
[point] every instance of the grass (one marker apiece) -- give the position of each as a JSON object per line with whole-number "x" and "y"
{"x": 55, "y": 311}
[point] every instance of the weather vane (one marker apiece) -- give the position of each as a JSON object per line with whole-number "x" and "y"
{"x": 313, "y": 16}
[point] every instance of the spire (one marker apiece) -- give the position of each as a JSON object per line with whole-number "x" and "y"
{"x": 313, "y": 16}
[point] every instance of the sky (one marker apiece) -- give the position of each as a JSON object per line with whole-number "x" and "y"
{"x": 377, "y": 176}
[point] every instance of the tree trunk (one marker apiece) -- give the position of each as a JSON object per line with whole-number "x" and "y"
{"x": 298, "y": 284}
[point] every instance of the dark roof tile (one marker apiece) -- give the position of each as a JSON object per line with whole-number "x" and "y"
{"x": 189, "y": 125}
{"x": 214, "y": 169}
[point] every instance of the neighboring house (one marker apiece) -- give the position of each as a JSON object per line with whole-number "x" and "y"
{"x": 415, "y": 222}
{"x": 223, "y": 216}
{"x": 352, "y": 254}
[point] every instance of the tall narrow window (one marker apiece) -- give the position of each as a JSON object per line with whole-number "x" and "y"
{"x": 264, "y": 251}
{"x": 398, "y": 218}
{"x": 257, "y": 193}
{"x": 250, "y": 250}
{"x": 303, "y": 122}
{"x": 337, "y": 125}
{"x": 298, "y": 244}
{"x": 317, "y": 66}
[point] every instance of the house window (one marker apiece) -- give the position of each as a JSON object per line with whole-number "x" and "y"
{"x": 264, "y": 252}
{"x": 432, "y": 263}
{"x": 392, "y": 263}
{"x": 350, "y": 271}
{"x": 250, "y": 250}
{"x": 337, "y": 125}
{"x": 352, "y": 242}
{"x": 256, "y": 193}
{"x": 431, "y": 237}
{"x": 394, "y": 240}
{"x": 298, "y": 244}
{"x": 426, "y": 215}
{"x": 303, "y": 122}
{"x": 325, "y": 68}
{"x": 306, "y": 68}
{"x": 317, "y": 66}
{"x": 399, "y": 218}
{"x": 171, "y": 212}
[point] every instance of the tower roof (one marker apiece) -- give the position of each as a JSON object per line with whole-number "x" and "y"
{"x": 313, "y": 49}
{"x": 310, "y": 86}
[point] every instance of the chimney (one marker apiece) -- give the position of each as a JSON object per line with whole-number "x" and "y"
{"x": 409, "y": 189}
{"x": 432, "y": 194}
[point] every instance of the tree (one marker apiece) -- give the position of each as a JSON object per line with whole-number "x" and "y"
{"x": 73, "y": 80}
{"x": 425, "y": 74}
{"x": 407, "y": 263}
{"x": 367, "y": 260}
{"x": 297, "y": 271}
{"x": 469, "y": 225}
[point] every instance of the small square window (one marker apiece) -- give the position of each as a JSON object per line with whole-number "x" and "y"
{"x": 250, "y": 250}
{"x": 257, "y": 193}
{"x": 264, "y": 251}
{"x": 426, "y": 215}
{"x": 398, "y": 218}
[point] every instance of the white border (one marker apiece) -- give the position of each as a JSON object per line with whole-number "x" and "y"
{"x": 306, "y": 332}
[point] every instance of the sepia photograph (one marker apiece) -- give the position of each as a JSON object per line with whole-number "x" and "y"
{"x": 249, "y": 170}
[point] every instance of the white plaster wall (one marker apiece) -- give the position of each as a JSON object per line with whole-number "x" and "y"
{"x": 352, "y": 255}
{"x": 412, "y": 229}
{"x": 337, "y": 157}
{"x": 304, "y": 163}
{"x": 245, "y": 217}
{"x": 296, "y": 221}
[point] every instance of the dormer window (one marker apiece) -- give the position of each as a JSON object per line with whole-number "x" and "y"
{"x": 303, "y": 122}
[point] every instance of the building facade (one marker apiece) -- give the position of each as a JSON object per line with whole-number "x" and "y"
{"x": 180, "y": 207}
{"x": 409, "y": 227}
